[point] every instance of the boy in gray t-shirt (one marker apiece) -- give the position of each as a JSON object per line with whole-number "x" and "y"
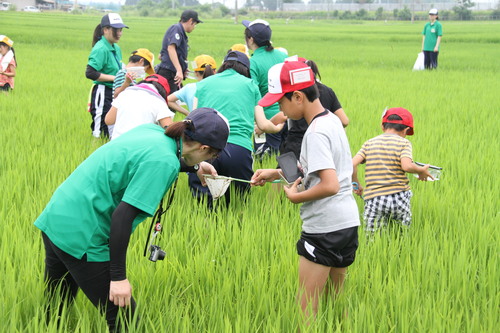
{"x": 329, "y": 238}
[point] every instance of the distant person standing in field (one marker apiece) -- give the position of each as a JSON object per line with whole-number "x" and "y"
{"x": 105, "y": 61}
{"x": 432, "y": 33}
{"x": 388, "y": 157}
{"x": 205, "y": 67}
{"x": 258, "y": 39}
{"x": 87, "y": 224}
{"x": 330, "y": 218}
{"x": 7, "y": 63}
{"x": 297, "y": 128}
{"x": 174, "y": 50}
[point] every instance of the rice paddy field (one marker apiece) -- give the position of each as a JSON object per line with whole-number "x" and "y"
{"x": 235, "y": 270}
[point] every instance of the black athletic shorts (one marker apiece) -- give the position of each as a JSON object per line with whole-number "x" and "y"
{"x": 333, "y": 249}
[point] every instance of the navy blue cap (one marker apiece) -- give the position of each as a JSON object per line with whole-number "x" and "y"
{"x": 211, "y": 128}
{"x": 238, "y": 56}
{"x": 190, "y": 14}
{"x": 259, "y": 29}
{"x": 113, "y": 20}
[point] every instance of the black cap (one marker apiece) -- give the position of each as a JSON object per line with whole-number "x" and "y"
{"x": 190, "y": 14}
{"x": 112, "y": 20}
{"x": 238, "y": 56}
{"x": 211, "y": 128}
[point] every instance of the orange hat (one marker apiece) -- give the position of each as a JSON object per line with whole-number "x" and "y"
{"x": 6, "y": 40}
{"x": 240, "y": 48}
{"x": 146, "y": 54}
{"x": 202, "y": 61}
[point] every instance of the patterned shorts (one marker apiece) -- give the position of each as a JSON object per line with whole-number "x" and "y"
{"x": 382, "y": 209}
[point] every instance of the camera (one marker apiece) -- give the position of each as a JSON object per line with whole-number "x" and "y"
{"x": 156, "y": 253}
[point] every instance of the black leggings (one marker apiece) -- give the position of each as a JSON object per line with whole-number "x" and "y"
{"x": 64, "y": 274}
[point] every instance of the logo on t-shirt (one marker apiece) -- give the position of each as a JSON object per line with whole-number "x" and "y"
{"x": 433, "y": 30}
{"x": 177, "y": 36}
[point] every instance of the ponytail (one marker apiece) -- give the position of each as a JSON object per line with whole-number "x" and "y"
{"x": 314, "y": 68}
{"x": 97, "y": 34}
{"x": 209, "y": 71}
{"x": 177, "y": 130}
{"x": 269, "y": 46}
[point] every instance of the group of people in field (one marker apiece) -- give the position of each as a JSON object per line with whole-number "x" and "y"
{"x": 87, "y": 224}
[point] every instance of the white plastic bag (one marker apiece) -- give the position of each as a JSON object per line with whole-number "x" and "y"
{"x": 419, "y": 63}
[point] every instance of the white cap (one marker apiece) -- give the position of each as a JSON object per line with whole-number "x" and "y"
{"x": 433, "y": 11}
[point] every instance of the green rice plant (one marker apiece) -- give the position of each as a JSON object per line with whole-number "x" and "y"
{"x": 235, "y": 269}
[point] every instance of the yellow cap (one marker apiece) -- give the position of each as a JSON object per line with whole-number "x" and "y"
{"x": 202, "y": 61}
{"x": 6, "y": 40}
{"x": 240, "y": 48}
{"x": 146, "y": 54}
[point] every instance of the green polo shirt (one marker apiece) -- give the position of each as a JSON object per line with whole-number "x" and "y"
{"x": 137, "y": 168}
{"x": 106, "y": 59}
{"x": 431, "y": 33}
{"x": 235, "y": 96}
{"x": 260, "y": 63}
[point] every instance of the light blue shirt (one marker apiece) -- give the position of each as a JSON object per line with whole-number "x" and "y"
{"x": 186, "y": 95}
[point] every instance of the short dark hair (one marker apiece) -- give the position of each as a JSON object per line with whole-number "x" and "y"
{"x": 136, "y": 58}
{"x": 312, "y": 93}
{"x": 397, "y": 127}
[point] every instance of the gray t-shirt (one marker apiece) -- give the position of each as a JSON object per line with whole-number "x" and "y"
{"x": 325, "y": 146}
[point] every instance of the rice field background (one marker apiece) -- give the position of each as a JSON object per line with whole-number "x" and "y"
{"x": 236, "y": 270}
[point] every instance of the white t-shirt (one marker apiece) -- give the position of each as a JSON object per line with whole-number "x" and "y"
{"x": 325, "y": 146}
{"x": 137, "y": 106}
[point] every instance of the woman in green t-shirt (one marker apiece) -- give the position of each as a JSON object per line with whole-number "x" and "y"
{"x": 432, "y": 33}
{"x": 105, "y": 60}
{"x": 87, "y": 224}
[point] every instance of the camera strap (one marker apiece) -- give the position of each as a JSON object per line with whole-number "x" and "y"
{"x": 157, "y": 217}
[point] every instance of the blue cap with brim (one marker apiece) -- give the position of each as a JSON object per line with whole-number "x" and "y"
{"x": 238, "y": 56}
{"x": 259, "y": 29}
{"x": 112, "y": 20}
{"x": 211, "y": 128}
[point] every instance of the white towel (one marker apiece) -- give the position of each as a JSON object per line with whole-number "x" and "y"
{"x": 7, "y": 59}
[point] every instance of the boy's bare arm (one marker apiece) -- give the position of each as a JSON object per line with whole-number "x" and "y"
{"x": 328, "y": 186}
{"x": 356, "y": 160}
{"x": 261, "y": 176}
{"x": 408, "y": 166}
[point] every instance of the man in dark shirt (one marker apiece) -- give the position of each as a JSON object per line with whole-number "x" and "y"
{"x": 174, "y": 50}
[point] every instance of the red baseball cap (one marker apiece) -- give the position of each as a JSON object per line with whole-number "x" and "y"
{"x": 286, "y": 77}
{"x": 161, "y": 80}
{"x": 406, "y": 118}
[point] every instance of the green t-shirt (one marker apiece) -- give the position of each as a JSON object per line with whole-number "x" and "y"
{"x": 431, "y": 33}
{"x": 235, "y": 96}
{"x": 260, "y": 63}
{"x": 106, "y": 59}
{"x": 137, "y": 168}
